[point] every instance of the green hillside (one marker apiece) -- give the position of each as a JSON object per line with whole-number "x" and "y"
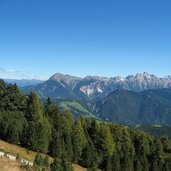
{"x": 76, "y": 108}
{"x": 158, "y": 131}
{"x": 127, "y": 107}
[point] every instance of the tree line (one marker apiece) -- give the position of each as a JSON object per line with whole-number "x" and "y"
{"x": 26, "y": 121}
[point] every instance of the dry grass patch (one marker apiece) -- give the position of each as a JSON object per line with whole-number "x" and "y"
{"x": 14, "y": 150}
{"x": 8, "y": 165}
{"x": 78, "y": 168}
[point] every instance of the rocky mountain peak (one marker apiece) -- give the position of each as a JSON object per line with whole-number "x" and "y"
{"x": 63, "y": 77}
{"x": 118, "y": 79}
{"x": 96, "y": 78}
{"x": 148, "y": 76}
{"x": 143, "y": 75}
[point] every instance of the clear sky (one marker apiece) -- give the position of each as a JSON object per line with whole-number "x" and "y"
{"x": 84, "y": 37}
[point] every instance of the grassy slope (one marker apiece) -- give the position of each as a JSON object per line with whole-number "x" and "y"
{"x": 25, "y": 154}
{"x": 75, "y": 107}
{"x": 14, "y": 150}
{"x": 7, "y": 165}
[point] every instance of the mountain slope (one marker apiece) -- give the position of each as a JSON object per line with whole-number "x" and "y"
{"x": 76, "y": 108}
{"x": 61, "y": 86}
{"x": 120, "y": 106}
{"x": 127, "y": 107}
{"x": 158, "y": 131}
{"x": 53, "y": 89}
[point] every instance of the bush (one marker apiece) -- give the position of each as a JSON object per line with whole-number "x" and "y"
{"x": 18, "y": 157}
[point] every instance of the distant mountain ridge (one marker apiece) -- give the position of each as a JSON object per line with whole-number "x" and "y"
{"x": 24, "y": 82}
{"x": 61, "y": 86}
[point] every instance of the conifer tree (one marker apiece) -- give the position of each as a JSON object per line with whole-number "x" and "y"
{"x": 39, "y": 129}
{"x": 115, "y": 161}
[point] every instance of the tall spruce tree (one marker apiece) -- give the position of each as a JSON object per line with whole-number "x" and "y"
{"x": 39, "y": 129}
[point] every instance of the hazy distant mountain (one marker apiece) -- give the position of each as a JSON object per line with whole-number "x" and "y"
{"x": 128, "y": 107}
{"x": 61, "y": 86}
{"x": 23, "y": 82}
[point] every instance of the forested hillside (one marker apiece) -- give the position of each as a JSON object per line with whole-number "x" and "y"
{"x": 156, "y": 130}
{"x": 24, "y": 120}
{"x": 128, "y": 107}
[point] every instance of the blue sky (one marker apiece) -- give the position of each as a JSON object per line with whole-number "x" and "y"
{"x": 84, "y": 37}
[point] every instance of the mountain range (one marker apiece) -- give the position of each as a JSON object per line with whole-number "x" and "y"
{"x": 136, "y": 99}
{"x": 61, "y": 86}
